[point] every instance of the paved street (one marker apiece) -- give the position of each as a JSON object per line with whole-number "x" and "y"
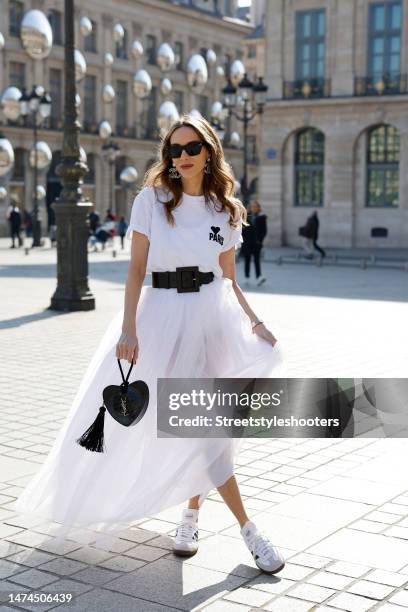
{"x": 338, "y": 509}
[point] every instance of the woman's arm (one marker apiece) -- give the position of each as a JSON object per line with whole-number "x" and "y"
{"x": 127, "y": 345}
{"x": 227, "y": 263}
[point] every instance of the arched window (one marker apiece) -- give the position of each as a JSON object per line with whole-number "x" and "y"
{"x": 383, "y": 155}
{"x": 309, "y": 168}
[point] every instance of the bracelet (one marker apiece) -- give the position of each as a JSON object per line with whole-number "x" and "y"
{"x": 255, "y": 323}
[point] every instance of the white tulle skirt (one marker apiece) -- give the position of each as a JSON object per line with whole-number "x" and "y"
{"x": 200, "y": 334}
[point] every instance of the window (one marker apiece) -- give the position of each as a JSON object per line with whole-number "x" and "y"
{"x": 251, "y": 51}
{"x": 55, "y": 19}
{"x": 16, "y": 11}
{"x": 309, "y": 168}
{"x": 56, "y": 97}
{"x": 179, "y": 101}
{"x": 90, "y": 175}
{"x": 150, "y": 115}
{"x": 203, "y": 105}
{"x": 384, "y": 40}
{"x": 17, "y": 74}
{"x": 383, "y": 155}
{"x": 227, "y": 64}
{"x": 178, "y": 52}
{"x": 310, "y": 44}
{"x": 121, "y": 105}
{"x": 89, "y": 101}
{"x": 151, "y": 49}
{"x": 90, "y": 42}
{"x": 19, "y": 164}
{"x": 121, "y": 47}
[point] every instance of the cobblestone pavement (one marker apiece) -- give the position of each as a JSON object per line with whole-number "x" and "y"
{"x": 338, "y": 509}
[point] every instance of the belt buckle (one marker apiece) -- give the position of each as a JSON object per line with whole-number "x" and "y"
{"x": 181, "y": 287}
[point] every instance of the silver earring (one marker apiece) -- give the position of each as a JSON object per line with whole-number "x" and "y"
{"x": 173, "y": 173}
{"x": 207, "y": 168}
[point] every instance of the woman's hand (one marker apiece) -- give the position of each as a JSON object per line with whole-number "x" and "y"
{"x": 263, "y": 332}
{"x": 127, "y": 346}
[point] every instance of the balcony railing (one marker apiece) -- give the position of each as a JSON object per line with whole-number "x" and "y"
{"x": 381, "y": 85}
{"x": 307, "y": 88}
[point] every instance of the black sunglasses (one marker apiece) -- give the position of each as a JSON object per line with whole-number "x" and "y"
{"x": 192, "y": 148}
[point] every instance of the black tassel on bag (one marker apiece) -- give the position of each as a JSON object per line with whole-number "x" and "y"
{"x": 126, "y": 403}
{"x": 92, "y": 438}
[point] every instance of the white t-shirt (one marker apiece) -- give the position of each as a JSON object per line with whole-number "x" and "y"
{"x": 198, "y": 237}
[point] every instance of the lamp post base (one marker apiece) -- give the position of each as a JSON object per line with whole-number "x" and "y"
{"x": 72, "y": 292}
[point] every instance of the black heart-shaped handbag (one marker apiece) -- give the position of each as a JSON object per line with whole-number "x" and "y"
{"x": 126, "y": 403}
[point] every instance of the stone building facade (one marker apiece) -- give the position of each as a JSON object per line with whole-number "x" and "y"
{"x": 335, "y": 130}
{"x": 190, "y": 26}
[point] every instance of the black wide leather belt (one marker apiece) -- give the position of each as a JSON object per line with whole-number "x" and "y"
{"x": 184, "y": 279}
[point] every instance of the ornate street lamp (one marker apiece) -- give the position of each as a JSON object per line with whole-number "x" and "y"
{"x": 71, "y": 208}
{"x": 251, "y": 98}
{"x": 34, "y": 108}
{"x": 111, "y": 151}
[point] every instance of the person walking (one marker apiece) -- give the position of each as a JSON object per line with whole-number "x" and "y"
{"x": 14, "y": 219}
{"x": 253, "y": 236}
{"x": 192, "y": 321}
{"x": 122, "y": 228}
{"x": 311, "y": 234}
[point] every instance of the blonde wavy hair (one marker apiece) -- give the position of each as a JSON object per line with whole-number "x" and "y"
{"x": 218, "y": 185}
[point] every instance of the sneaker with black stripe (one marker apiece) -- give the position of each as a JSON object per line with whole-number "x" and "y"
{"x": 186, "y": 539}
{"x": 266, "y": 556}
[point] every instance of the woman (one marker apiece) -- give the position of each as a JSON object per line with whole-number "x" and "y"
{"x": 166, "y": 333}
{"x": 253, "y": 236}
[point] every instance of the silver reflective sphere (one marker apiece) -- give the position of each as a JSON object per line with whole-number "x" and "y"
{"x": 105, "y": 129}
{"x": 195, "y": 113}
{"x": 168, "y": 113}
{"x": 220, "y": 72}
{"x": 108, "y": 94}
{"x": 142, "y": 84}
{"x": 36, "y": 34}
{"x": 216, "y": 110}
{"x": 40, "y": 192}
{"x": 137, "y": 49}
{"x": 165, "y": 57}
{"x": 118, "y": 32}
{"x": 3, "y": 193}
{"x": 2, "y": 43}
{"x": 80, "y": 66}
{"x": 197, "y": 73}
{"x": 6, "y": 156}
{"x": 82, "y": 155}
{"x": 39, "y": 90}
{"x": 44, "y": 156}
{"x": 165, "y": 86}
{"x": 10, "y": 103}
{"x": 211, "y": 57}
{"x": 108, "y": 59}
{"x": 235, "y": 138}
{"x": 85, "y": 26}
{"x": 128, "y": 176}
{"x": 237, "y": 72}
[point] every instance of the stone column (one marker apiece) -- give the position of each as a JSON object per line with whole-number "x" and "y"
{"x": 343, "y": 69}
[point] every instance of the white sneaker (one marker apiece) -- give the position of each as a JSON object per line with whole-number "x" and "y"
{"x": 260, "y": 281}
{"x": 186, "y": 540}
{"x": 266, "y": 556}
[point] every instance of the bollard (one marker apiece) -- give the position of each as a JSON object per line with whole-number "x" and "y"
{"x": 279, "y": 261}
{"x": 114, "y": 253}
{"x": 363, "y": 264}
{"x": 373, "y": 259}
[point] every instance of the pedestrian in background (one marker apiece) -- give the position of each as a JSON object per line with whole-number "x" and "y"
{"x": 311, "y": 233}
{"x": 253, "y": 236}
{"x": 52, "y": 232}
{"x": 122, "y": 227}
{"x": 14, "y": 219}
